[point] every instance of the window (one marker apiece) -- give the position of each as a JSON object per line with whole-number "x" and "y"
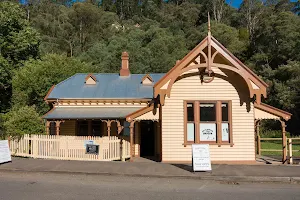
{"x": 207, "y": 122}
{"x": 225, "y": 122}
{"x": 52, "y": 128}
{"x": 96, "y": 128}
{"x": 190, "y": 123}
{"x": 89, "y": 128}
{"x": 82, "y": 128}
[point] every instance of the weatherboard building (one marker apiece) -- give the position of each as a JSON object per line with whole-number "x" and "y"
{"x": 208, "y": 97}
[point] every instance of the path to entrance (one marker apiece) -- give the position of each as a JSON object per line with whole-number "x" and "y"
{"x": 263, "y": 173}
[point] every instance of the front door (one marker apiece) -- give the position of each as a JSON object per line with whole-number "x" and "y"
{"x": 147, "y": 139}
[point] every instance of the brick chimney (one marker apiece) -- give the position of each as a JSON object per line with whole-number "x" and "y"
{"x": 125, "y": 65}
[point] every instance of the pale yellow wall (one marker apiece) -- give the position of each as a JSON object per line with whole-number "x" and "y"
{"x": 90, "y": 81}
{"x": 260, "y": 114}
{"x": 68, "y": 127}
{"x": 147, "y": 81}
{"x": 137, "y": 136}
{"x": 191, "y": 88}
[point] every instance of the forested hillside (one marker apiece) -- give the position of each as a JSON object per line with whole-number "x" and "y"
{"x": 44, "y": 42}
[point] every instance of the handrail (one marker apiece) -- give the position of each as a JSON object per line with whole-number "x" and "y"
{"x": 289, "y": 147}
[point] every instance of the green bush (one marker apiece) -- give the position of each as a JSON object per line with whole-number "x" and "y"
{"x": 273, "y": 134}
{"x": 22, "y": 120}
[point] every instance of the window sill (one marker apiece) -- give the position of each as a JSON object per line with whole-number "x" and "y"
{"x": 219, "y": 145}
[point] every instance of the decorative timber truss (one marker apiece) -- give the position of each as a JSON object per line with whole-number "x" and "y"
{"x": 206, "y": 56}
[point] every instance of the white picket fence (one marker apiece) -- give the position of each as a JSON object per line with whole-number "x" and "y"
{"x": 70, "y": 147}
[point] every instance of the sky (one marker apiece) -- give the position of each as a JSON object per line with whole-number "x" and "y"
{"x": 237, "y": 3}
{"x": 234, "y": 3}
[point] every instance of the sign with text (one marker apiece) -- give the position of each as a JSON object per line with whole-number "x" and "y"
{"x": 201, "y": 157}
{"x": 208, "y": 132}
{"x": 92, "y": 149}
{"x": 88, "y": 142}
{"x": 4, "y": 152}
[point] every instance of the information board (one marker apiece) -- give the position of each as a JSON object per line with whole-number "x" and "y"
{"x": 92, "y": 149}
{"x": 4, "y": 152}
{"x": 88, "y": 142}
{"x": 201, "y": 157}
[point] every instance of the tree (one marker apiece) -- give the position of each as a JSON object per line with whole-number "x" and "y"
{"x": 219, "y": 9}
{"x": 284, "y": 91}
{"x": 228, "y": 36}
{"x": 22, "y": 120}
{"x": 277, "y": 40}
{"x": 251, "y": 12}
{"x": 72, "y": 30}
{"x": 32, "y": 82}
{"x": 153, "y": 50}
{"x": 5, "y": 84}
{"x": 18, "y": 42}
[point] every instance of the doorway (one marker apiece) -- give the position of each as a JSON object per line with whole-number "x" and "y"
{"x": 147, "y": 147}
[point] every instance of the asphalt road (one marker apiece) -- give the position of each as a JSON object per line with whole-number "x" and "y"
{"x": 38, "y": 186}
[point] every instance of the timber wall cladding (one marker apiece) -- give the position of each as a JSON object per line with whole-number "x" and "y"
{"x": 191, "y": 88}
{"x": 68, "y": 127}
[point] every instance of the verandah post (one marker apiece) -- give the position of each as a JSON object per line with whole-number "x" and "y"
{"x": 258, "y": 145}
{"x": 131, "y": 126}
{"x": 284, "y": 142}
{"x": 291, "y": 150}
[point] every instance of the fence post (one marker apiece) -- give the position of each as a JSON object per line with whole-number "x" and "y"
{"x": 258, "y": 146}
{"x": 34, "y": 146}
{"x": 122, "y": 150}
{"x": 291, "y": 151}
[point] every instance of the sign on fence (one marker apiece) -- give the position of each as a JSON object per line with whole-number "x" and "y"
{"x": 4, "y": 152}
{"x": 201, "y": 157}
{"x": 86, "y": 142}
{"x": 92, "y": 149}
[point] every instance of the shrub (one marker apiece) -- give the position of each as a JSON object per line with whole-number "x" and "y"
{"x": 22, "y": 120}
{"x": 273, "y": 134}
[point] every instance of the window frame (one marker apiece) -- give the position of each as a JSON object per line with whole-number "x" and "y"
{"x": 197, "y": 123}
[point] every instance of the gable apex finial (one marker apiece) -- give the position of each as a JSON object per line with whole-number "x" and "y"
{"x": 208, "y": 22}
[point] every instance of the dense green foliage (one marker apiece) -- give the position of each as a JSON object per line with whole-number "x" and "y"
{"x": 23, "y": 120}
{"x": 18, "y": 42}
{"x": 46, "y": 41}
{"x": 32, "y": 82}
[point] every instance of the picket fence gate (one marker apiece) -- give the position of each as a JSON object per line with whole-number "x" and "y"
{"x": 70, "y": 147}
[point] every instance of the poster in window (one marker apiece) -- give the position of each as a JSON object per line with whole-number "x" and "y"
{"x": 190, "y": 132}
{"x": 208, "y": 132}
{"x": 225, "y": 132}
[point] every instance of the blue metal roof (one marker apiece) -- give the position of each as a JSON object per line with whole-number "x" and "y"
{"x": 108, "y": 86}
{"x": 90, "y": 112}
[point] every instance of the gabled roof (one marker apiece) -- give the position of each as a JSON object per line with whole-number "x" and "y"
{"x": 240, "y": 62}
{"x": 108, "y": 86}
{"x": 209, "y": 49}
{"x": 90, "y": 76}
{"x": 147, "y": 76}
{"x": 275, "y": 111}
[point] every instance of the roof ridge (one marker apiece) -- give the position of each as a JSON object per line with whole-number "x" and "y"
{"x": 115, "y": 73}
{"x": 65, "y": 80}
